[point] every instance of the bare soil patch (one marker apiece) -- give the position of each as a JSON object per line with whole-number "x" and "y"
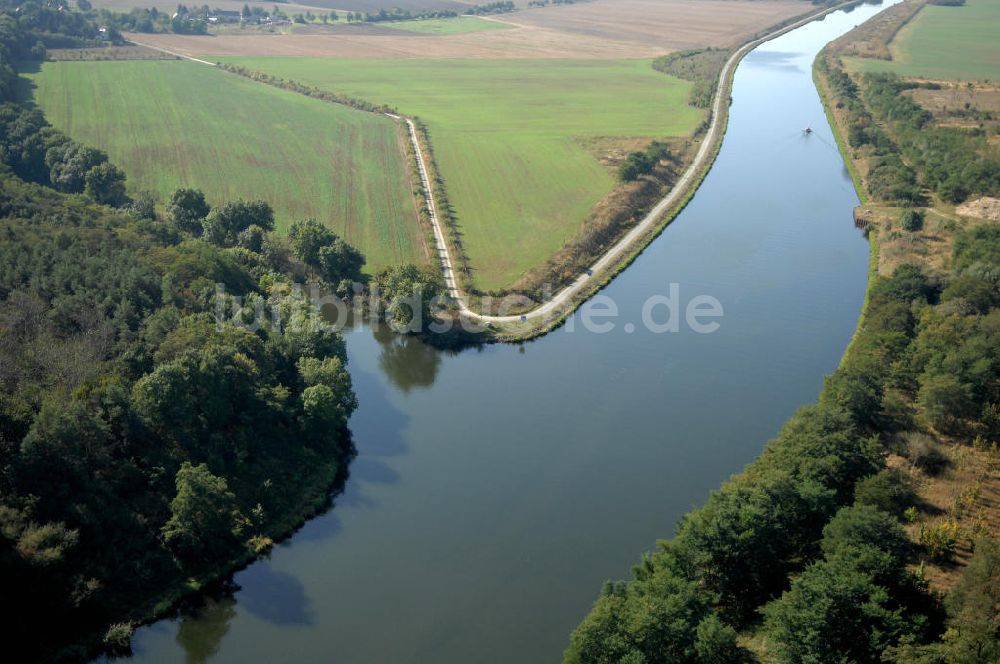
{"x": 170, "y": 6}
{"x": 611, "y": 150}
{"x": 954, "y": 97}
{"x": 967, "y": 105}
{"x": 497, "y": 44}
{"x": 606, "y": 29}
{"x": 982, "y": 208}
{"x": 665, "y": 24}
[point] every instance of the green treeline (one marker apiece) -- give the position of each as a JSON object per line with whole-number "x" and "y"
{"x": 35, "y": 152}
{"x": 889, "y": 178}
{"x": 953, "y": 162}
{"x": 499, "y": 7}
{"x": 701, "y": 66}
{"x": 183, "y": 21}
{"x": 307, "y": 90}
{"x": 397, "y": 14}
{"x": 817, "y": 506}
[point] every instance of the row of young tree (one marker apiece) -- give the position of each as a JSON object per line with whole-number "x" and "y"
{"x": 806, "y": 543}
{"x": 399, "y": 14}
{"x": 307, "y": 90}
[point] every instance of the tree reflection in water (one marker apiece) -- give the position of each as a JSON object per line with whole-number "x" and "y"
{"x": 406, "y": 360}
{"x": 201, "y": 631}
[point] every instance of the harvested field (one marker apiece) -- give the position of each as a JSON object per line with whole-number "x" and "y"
{"x": 402, "y": 45}
{"x": 225, "y": 5}
{"x": 665, "y": 24}
{"x": 604, "y": 29}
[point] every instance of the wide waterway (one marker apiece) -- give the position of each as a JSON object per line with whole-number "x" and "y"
{"x": 495, "y": 490}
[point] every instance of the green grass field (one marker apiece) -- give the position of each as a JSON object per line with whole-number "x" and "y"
{"x": 945, "y": 43}
{"x": 506, "y": 136}
{"x": 448, "y": 26}
{"x": 171, "y": 124}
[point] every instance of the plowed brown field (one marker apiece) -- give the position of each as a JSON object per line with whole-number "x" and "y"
{"x": 607, "y": 29}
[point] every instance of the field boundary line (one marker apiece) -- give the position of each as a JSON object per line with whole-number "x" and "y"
{"x": 444, "y": 253}
{"x": 174, "y": 53}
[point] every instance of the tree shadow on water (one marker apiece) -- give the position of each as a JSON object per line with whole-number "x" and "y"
{"x": 275, "y": 596}
{"x": 377, "y": 425}
{"x": 321, "y": 527}
{"x": 368, "y": 469}
{"x": 377, "y": 428}
{"x": 775, "y": 60}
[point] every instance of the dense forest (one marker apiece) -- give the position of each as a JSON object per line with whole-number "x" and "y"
{"x": 155, "y": 430}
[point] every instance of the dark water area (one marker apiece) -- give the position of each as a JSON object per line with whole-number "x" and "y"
{"x": 496, "y": 489}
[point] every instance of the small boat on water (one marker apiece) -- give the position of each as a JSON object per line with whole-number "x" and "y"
{"x": 807, "y": 130}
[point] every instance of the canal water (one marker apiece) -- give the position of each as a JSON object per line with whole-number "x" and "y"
{"x": 496, "y": 489}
